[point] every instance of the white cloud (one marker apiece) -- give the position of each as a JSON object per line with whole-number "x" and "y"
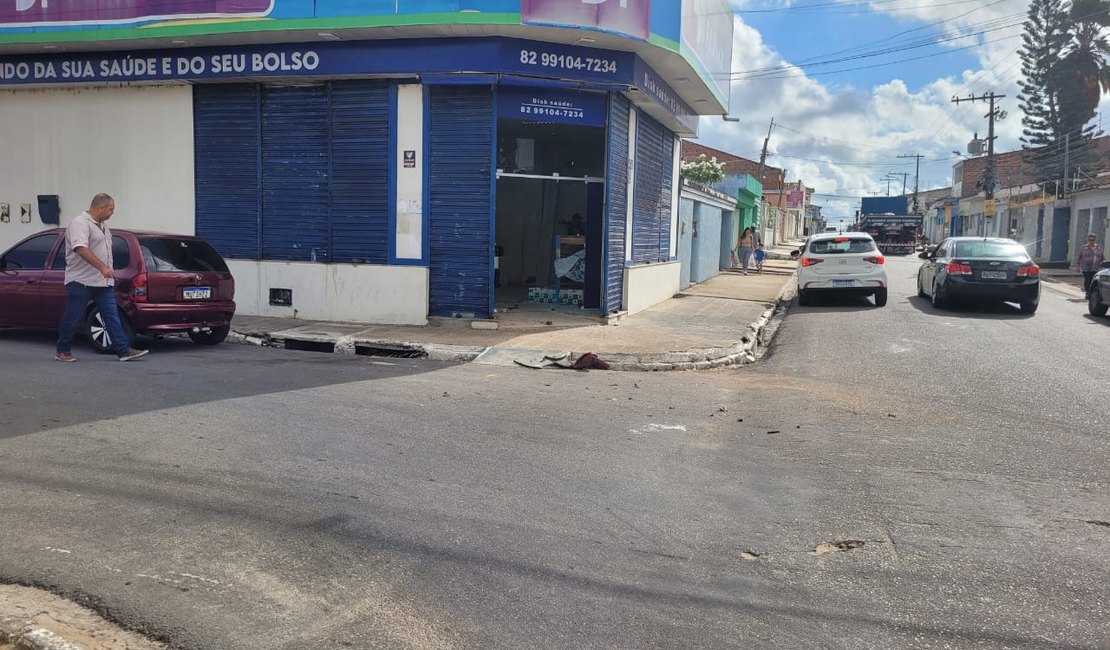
{"x": 841, "y": 139}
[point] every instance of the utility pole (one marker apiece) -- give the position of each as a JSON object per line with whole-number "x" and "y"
{"x": 887, "y": 178}
{"x": 916, "y": 178}
{"x": 992, "y": 115}
{"x": 763, "y": 154}
{"x": 904, "y": 175}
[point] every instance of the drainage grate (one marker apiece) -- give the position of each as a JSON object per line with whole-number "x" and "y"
{"x": 309, "y": 346}
{"x": 391, "y": 351}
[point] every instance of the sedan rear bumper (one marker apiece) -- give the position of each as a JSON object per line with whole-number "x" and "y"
{"x": 1022, "y": 291}
{"x": 179, "y": 317}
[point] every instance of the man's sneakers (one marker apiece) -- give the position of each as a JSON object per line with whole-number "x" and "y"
{"x": 132, "y": 354}
{"x": 65, "y": 357}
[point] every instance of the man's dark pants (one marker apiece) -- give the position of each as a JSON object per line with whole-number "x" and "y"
{"x": 105, "y": 299}
{"x": 1087, "y": 277}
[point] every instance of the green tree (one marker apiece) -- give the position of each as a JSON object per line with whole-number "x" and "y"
{"x": 703, "y": 170}
{"x": 1086, "y": 74}
{"x": 1064, "y": 55}
{"x": 1043, "y": 43}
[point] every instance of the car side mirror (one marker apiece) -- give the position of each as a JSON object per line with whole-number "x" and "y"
{"x": 795, "y": 254}
{"x": 923, "y": 256}
{"x": 1106, "y": 264}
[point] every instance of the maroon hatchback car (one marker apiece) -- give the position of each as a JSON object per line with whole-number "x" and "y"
{"x": 164, "y": 284}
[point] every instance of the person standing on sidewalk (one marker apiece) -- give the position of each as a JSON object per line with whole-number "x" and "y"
{"x": 89, "y": 276}
{"x": 1089, "y": 261}
{"x": 744, "y": 247}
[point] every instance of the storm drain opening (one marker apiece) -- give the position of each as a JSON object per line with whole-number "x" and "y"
{"x": 391, "y": 351}
{"x": 309, "y": 346}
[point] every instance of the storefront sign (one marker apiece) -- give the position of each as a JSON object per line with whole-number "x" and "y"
{"x": 653, "y": 85}
{"x": 631, "y": 17}
{"x": 82, "y": 12}
{"x": 551, "y": 105}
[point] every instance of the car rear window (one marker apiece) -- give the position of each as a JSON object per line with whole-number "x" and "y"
{"x": 841, "y": 245}
{"x": 989, "y": 249}
{"x": 188, "y": 255}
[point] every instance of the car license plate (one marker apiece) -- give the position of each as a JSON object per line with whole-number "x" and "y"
{"x": 196, "y": 293}
{"x": 843, "y": 283}
{"x": 993, "y": 275}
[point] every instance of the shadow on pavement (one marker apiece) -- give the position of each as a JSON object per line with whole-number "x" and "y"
{"x": 969, "y": 309}
{"x": 43, "y": 394}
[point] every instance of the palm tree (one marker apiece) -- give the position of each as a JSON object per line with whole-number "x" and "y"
{"x": 1085, "y": 60}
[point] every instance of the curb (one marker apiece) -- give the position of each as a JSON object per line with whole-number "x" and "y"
{"x": 757, "y": 336}
{"x": 23, "y": 635}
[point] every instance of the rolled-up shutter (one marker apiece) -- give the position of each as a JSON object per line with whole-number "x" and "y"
{"x": 227, "y": 171}
{"x": 616, "y": 187}
{"x": 460, "y": 180}
{"x": 295, "y": 173}
{"x": 651, "y": 216}
{"x": 360, "y": 171}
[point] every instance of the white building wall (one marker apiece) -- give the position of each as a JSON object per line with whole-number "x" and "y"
{"x": 395, "y": 295}
{"x": 646, "y": 285}
{"x": 135, "y": 143}
{"x": 1089, "y": 216}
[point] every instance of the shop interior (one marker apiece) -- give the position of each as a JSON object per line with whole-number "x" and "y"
{"x": 549, "y": 221}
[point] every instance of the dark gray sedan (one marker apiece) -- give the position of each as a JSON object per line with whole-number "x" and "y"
{"x": 1098, "y": 295}
{"x": 980, "y": 268}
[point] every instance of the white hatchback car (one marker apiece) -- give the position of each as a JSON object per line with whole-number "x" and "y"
{"x": 841, "y": 265}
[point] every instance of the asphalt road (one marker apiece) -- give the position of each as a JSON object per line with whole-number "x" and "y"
{"x": 895, "y": 478}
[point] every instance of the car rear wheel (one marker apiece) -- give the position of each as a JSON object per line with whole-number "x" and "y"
{"x": 98, "y": 331}
{"x": 880, "y": 298}
{"x": 1028, "y": 306}
{"x": 804, "y": 298}
{"x": 939, "y": 301}
{"x": 213, "y": 336}
{"x": 1095, "y": 305}
{"x": 920, "y": 289}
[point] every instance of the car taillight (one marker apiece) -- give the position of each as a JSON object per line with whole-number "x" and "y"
{"x": 811, "y": 261}
{"x": 875, "y": 260}
{"x": 1029, "y": 271}
{"x": 138, "y": 288}
{"x": 955, "y": 268}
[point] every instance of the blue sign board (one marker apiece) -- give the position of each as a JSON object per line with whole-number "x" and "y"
{"x": 551, "y": 105}
{"x": 442, "y": 60}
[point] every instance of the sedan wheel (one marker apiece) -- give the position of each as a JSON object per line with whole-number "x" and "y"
{"x": 1028, "y": 306}
{"x": 880, "y": 298}
{"x": 98, "y": 331}
{"x": 920, "y": 289}
{"x": 939, "y": 301}
{"x": 1095, "y": 305}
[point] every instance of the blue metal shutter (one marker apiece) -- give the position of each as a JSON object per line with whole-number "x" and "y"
{"x": 666, "y": 196}
{"x": 616, "y": 184}
{"x": 651, "y": 213}
{"x": 295, "y": 173}
{"x": 460, "y": 186}
{"x": 360, "y": 171}
{"x": 226, "y": 138}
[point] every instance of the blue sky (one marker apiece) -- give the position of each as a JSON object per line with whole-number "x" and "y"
{"x": 842, "y": 133}
{"x": 833, "y": 29}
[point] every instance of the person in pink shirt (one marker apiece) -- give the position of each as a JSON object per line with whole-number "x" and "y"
{"x": 1089, "y": 261}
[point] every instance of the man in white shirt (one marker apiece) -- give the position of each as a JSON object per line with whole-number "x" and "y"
{"x": 89, "y": 276}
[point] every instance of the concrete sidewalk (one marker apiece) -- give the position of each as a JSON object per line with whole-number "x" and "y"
{"x": 719, "y": 322}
